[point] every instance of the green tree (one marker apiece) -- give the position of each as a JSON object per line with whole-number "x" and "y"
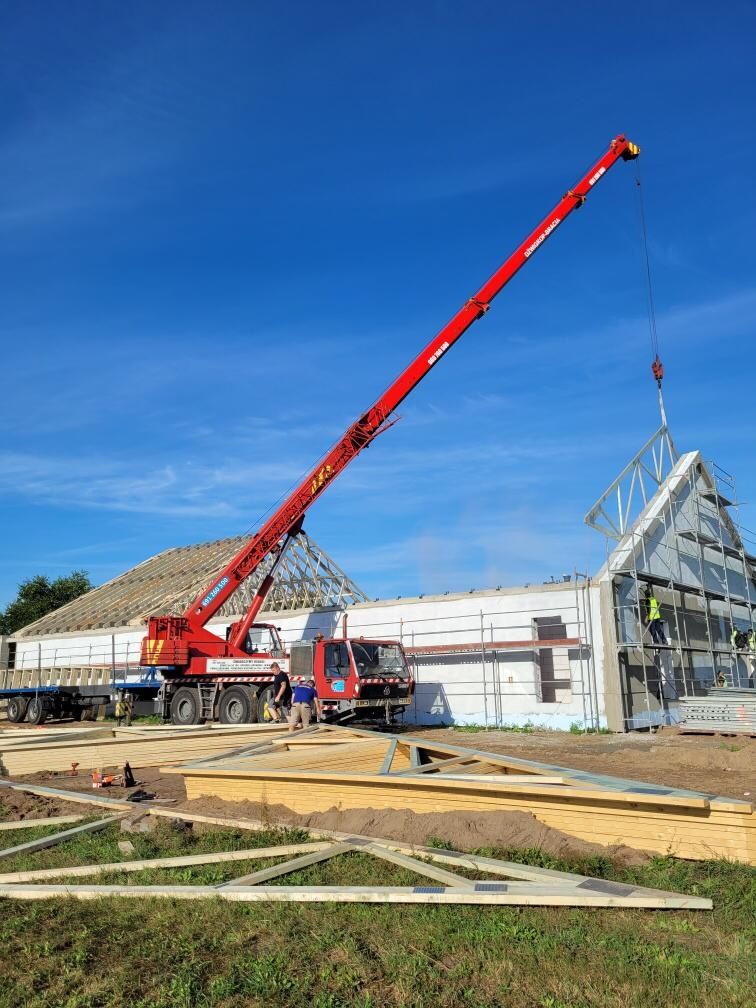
{"x": 38, "y": 596}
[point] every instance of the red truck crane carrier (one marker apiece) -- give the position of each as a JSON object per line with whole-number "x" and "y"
{"x": 207, "y": 677}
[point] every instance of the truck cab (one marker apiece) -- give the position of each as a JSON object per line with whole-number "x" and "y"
{"x": 369, "y": 675}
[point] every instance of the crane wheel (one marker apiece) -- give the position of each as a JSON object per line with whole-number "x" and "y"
{"x": 237, "y": 705}
{"x": 17, "y": 709}
{"x": 185, "y": 706}
{"x": 36, "y": 712}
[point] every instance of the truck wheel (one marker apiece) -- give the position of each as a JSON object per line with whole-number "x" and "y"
{"x": 36, "y": 712}
{"x": 77, "y": 713}
{"x": 237, "y": 705}
{"x": 264, "y": 698}
{"x": 17, "y": 708}
{"x": 185, "y": 706}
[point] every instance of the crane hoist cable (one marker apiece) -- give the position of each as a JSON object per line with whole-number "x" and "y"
{"x": 657, "y": 368}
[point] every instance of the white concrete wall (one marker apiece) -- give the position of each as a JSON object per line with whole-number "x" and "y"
{"x": 506, "y": 689}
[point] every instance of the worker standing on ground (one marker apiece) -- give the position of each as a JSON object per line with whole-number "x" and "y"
{"x": 281, "y": 702}
{"x": 654, "y": 618}
{"x": 120, "y": 711}
{"x": 128, "y": 709}
{"x": 303, "y": 698}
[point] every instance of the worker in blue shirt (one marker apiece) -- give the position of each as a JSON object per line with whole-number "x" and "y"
{"x": 304, "y": 696}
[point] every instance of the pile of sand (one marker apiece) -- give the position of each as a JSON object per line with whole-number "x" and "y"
{"x": 465, "y": 831}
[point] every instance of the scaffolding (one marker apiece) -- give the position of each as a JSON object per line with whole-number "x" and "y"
{"x": 542, "y": 657}
{"x": 686, "y": 545}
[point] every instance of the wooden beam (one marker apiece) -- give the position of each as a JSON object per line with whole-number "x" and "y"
{"x": 419, "y": 867}
{"x": 57, "y": 820}
{"x": 389, "y": 782}
{"x": 83, "y": 871}
{"x": 484, "y": 893}
{"x": 287, "y": 867}
{"x": 56, "y": 838}
{"x": 421, "y": 768}
{"x": 389, "y": 757}
{"x": 70, "y": 796}
{"x": 503, "y": 778}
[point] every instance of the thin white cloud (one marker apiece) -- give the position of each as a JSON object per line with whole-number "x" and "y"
{"x": 176, "y": 490}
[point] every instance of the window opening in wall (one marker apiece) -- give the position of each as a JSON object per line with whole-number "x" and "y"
{"x": 553, "y": 666}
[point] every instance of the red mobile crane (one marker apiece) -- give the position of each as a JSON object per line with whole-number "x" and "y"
{"x": 199, "y": 666}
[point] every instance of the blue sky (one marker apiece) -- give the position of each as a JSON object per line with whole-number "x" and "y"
{"x": 224, "y": 228}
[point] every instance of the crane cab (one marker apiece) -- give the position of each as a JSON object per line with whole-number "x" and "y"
{"x": 264, "y": 638}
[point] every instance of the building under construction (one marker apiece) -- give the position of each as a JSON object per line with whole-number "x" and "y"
{"x": 570, "y": 653}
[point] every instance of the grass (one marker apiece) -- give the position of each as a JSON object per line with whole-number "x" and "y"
{"x": 526, "y": 729}
{"x": 170, "y": 954}
{"x": 576, "y": 728}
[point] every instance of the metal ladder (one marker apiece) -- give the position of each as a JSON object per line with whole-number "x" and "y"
{"x": 207, "y": 694}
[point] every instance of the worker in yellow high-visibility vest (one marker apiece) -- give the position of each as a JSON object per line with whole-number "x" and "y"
{"x": 654, "y": 617}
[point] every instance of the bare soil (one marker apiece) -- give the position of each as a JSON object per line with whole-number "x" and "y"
{"x": 460, "y": 830}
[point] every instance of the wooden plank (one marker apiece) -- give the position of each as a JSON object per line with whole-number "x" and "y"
{"x": 422, "y": 768}
{"x": 419, "y": 867}
{"x": 56, "y": 838}
{"x": 83, "y": 871}
{"x": 514, "y": 894}
{"x": 57, "y": 820}
{"x": 387, "y": 782}
{"x": 139, "y": 749}
{"x": 265, "y": 874}
{"x": 258, "y": 747}
{"x": 389, "y": 757}
{"x": 524, "y": 779}
{"x": 70, "y": 796}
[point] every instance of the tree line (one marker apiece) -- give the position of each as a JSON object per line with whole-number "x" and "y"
{"x": 37, "y": 596}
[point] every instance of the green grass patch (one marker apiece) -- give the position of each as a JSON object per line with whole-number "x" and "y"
{"x": 576, "y": 728}
{"x": 525, "y": 729}
{"x": 12, "y": 838}
{"x": 129, "y": 953}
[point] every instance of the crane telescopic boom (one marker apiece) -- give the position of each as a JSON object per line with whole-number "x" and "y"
{"x": 287, "y": 519}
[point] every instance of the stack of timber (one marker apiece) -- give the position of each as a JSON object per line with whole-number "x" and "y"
{"x": 723, "y": 710}
{"x": 327, "y": 768}
{"x": 26, "y": 752}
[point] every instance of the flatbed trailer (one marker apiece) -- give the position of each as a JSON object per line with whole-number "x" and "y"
{"x": 41, "y": 701}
